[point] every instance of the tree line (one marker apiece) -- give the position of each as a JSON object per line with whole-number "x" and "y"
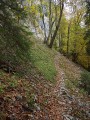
{"x": 68, "y": 29}
{"x": 69, "y": 26}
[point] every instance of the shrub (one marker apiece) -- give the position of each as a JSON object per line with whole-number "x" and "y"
{"x": 85, "y": 81}
{"x": 14, "y": 44}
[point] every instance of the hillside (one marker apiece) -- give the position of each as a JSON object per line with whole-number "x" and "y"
{"x": 47, "y": 92}
{"x": 44, "y": 60}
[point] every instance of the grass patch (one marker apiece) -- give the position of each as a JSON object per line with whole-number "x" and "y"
{"x": 43, "y": 59}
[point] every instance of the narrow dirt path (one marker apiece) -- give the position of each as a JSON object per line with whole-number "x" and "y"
{"x": 69, "y": 106}
{"x": 60, "y": 74}
{"x": 56, "y": 101}
{"x": 50, "y": 102}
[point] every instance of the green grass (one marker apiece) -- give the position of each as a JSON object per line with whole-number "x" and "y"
{"x": 43, "y": 59}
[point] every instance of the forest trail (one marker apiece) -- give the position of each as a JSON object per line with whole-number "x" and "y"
{"x": 59, "y": 97}
{"x": 35, "y": 98}
{"x": 64, "y": 104}
{"x": 56, "y": 101}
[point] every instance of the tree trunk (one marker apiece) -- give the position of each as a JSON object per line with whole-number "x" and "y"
{"x": 45, "y": 37}
{"x": 88, "y": 63}
{"x": 60, "y": 41}
{"x": 68, "y": 37}
{"x": 50, "y": 21}
{"x": 57, "y": 26}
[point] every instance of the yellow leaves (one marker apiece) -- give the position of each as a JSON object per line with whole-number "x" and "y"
{"x": 84, "y": 59}
{"x": 30, "y": 7}
{"x": 25, "y": 7}
{"x": 33, "y": 9}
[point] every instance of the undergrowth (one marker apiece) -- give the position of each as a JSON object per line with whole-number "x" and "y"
{"x": 43, "y": 59}
{"x": 72, "y": 77}
{"x": 85, "y": 81}
{"x": 7, "y": 81}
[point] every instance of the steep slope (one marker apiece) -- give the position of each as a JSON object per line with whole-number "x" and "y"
{"x": 26, "y": 97}
{"x": 48, "y": 92}
{"x": 75, "y": 102}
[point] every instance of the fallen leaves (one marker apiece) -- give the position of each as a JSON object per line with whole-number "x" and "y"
{"x": 35, "y": 98}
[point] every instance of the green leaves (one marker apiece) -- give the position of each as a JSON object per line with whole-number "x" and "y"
{"x": 85, "y": 81}
{"x": 14, "y": 44}
{"x": 87, "y": 23}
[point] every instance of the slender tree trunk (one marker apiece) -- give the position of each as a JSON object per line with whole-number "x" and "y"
{"x": 58, "y": 24}
{"x": 50, "y": 32}
{"x": 55, "y": 12}
{"x": 45, "y": 37}
{"x": 68, "y": 38}
{"x": 88, "y": 63}
{"x": 60, "y": 44}
{"x": 50, "y": 21}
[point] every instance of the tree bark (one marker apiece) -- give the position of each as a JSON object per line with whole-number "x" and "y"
{"x": 45, "y": 37}
{"x": 50, "y": 21}
{"x": 58, "y": 25}
{"x": 68, "y": 38}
